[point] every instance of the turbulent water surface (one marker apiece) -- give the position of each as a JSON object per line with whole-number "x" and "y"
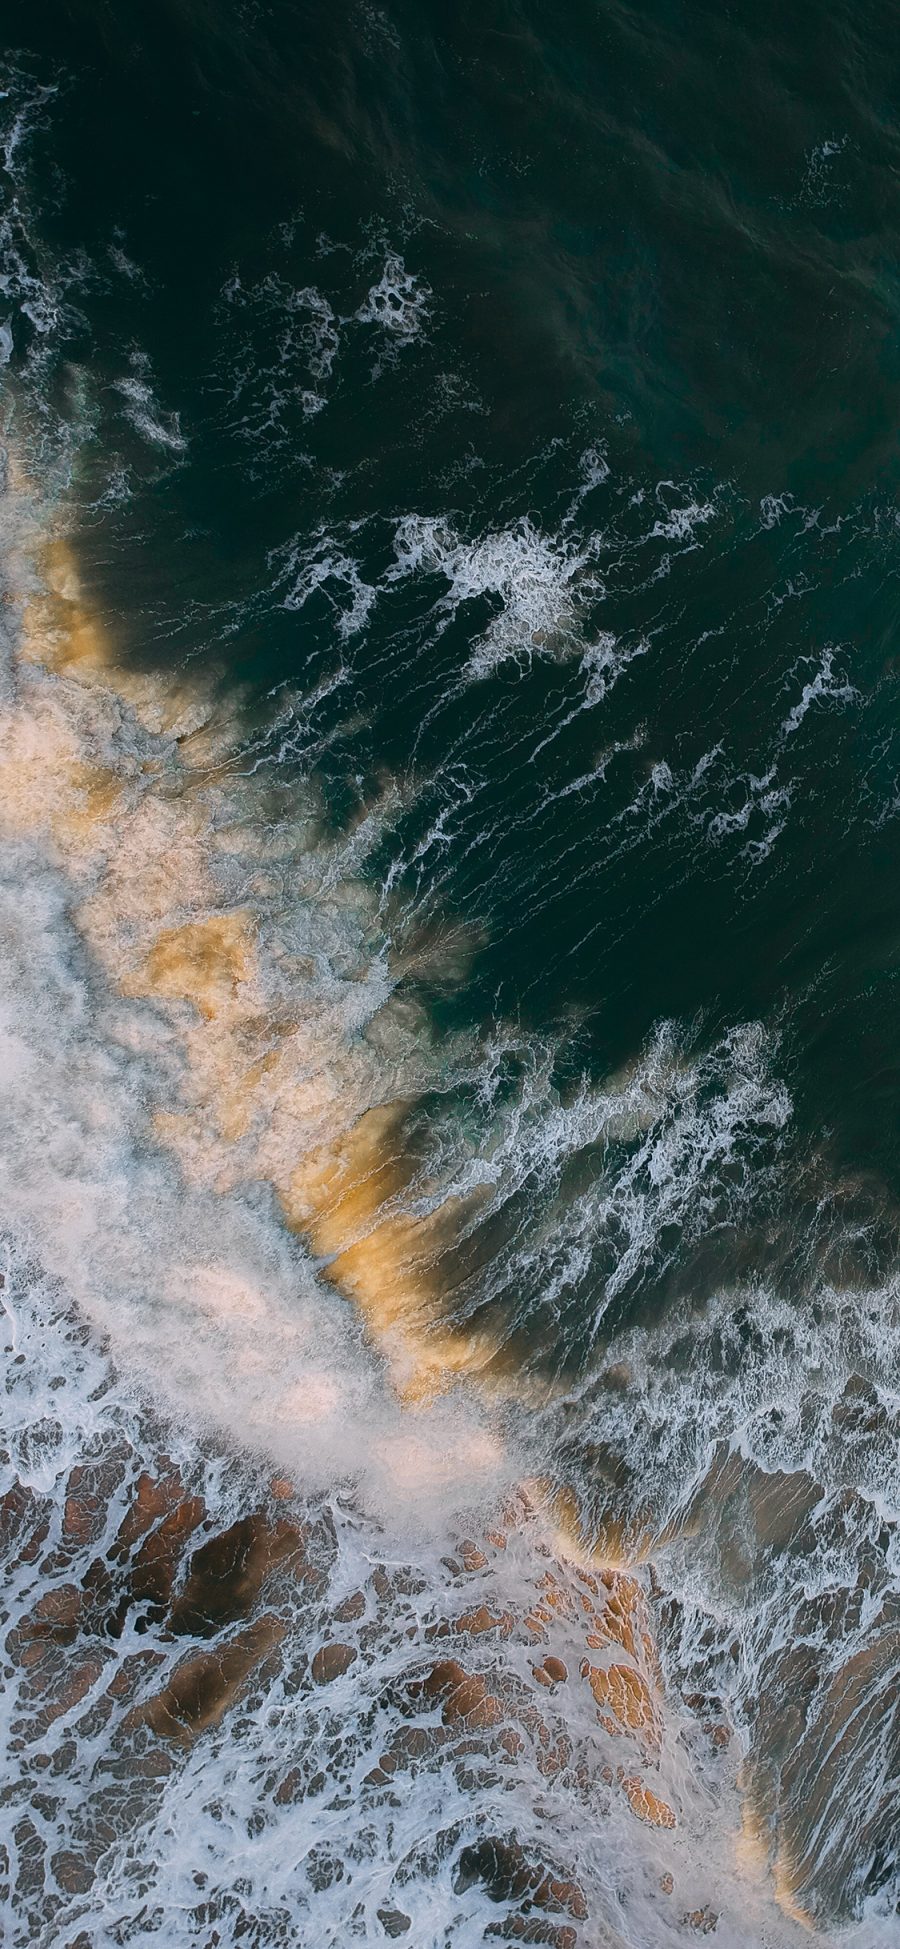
{"x": 449, "y": 790}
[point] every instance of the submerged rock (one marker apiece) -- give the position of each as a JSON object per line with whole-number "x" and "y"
{"x": 226, "y": 1574}
{"x": 393, "y": 1921}
{"x": 462, "y": 1695}
{"x": 331, "y": 1661}
{"x": 500, "y": 1864}
{"x": 202, "y": 1688}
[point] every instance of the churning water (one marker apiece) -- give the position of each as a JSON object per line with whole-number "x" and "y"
{"x": 449, "y": 790}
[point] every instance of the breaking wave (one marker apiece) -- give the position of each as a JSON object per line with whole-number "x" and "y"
{"x": 448, "y": 1481}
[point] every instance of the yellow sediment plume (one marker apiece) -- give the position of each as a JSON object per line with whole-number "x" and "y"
{"x": 339, "y": 1189}
{"x": 204, "y": 962}
{"x": 63, "y": 635}
{"x": 786, "y": 1898}
{"x": 607, "y": 1541}
{"x": 60, "y": 633}
{"x": 758, "y": 1855}
{"x": 126, "y": 777}
{"x": 345, "y": 1197}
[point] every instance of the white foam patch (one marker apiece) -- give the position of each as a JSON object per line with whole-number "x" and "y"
{"x": 142, "y": 408}
{"x": 678, "y": 1144}
{"x": 761, "y": 812}
{"x": 537, "y": 582}
{"x": 538, "y": 585}
{"x": 304, "y": 334}
{"x": 325, "y": 565}
{"x": 825, "y": 686}
{"x": 39, "y": 294}
{"x": 398, "y": 303}
{"x": 681, "y": 519}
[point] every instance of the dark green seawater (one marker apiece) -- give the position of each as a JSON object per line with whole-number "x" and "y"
{"x": 503, "y": 401}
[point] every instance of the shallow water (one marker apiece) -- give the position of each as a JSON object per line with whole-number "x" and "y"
{"x": 449, "y": 797}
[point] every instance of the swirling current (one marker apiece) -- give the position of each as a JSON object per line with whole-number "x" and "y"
{"x": 449, "y": 919}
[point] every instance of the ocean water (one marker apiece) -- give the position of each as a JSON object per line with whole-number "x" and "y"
{"x": 449, "y": 1153}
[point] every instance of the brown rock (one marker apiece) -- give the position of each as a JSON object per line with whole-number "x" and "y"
{"x": 155, "y": 1567}
{"x": 472, "y": 1702}
{"x": 441, "y": 1680}
{"x": 202, "y": 1688}
{"x": 332, "y": 1661}
{"x": 351, "y": 1608}
{"x": 295, "y": 1786}
{"x": 130, "y": 1675}
{"x": 410, "y": 1744}
{"x": 475, "y": 1623}
{"x": 555, "y": 1757}
{"x": 227, "y": 1573}
{"x": 62, "y": 1682}
{"x": 627, "y": 1694}
{"x": 24, "y": 1523}
{"x": 85, "y": 1508}
{"x": 506, "y": 1874}
{"x": 463, "y": 1696}
{"x": 73, "y": 1874}
{"x": 623, "y": 1616}
{"x": 88, "y": 1491}
{"x": 154, "y": 1497}
{"x": 645, "y": 1804}
{"x": 471, "y": 1557}
{"x": 56, "y": 1615}
{"x": 290, "y": 1788}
